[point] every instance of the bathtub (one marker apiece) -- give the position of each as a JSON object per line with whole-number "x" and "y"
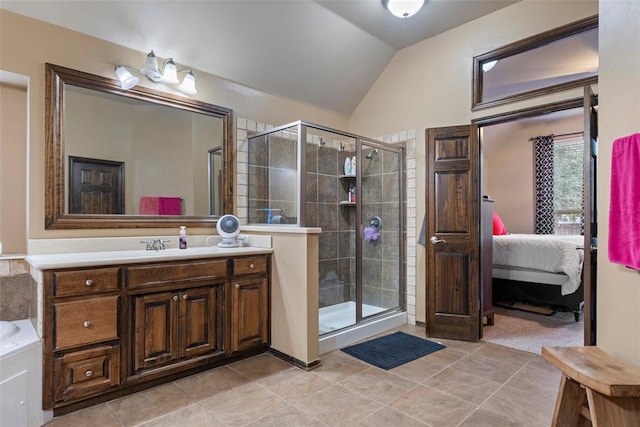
{"x": 20, "y": 374}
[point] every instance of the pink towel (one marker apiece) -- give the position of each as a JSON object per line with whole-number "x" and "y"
{"x": 149, "y": 205}
{"x": 169, "y": 206}
{"x": 624, "y": 209}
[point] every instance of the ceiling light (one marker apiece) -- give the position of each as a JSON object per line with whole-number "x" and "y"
{"x": 486, "y": 66}
{"x": 167, "y": 74}
{"x": 403, "y": 8}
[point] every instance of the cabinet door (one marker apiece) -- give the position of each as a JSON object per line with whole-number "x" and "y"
{"x": 199, "y": 321}
{"x": 155, "y": 330}
{"x": 249, "y": 313}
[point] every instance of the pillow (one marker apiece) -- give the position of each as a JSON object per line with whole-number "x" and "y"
{"x": 498, "y": 226}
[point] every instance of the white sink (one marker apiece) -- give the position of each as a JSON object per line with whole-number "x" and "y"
{"x": 8, "y": 329}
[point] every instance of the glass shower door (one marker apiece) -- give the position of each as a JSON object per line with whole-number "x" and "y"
{"x": 380, "y": 237}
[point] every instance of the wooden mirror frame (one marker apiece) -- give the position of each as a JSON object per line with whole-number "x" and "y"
{"x": 522, "y": 46}
{"x": 55, "y": 216}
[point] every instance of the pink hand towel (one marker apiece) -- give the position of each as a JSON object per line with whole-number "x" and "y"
{"x": 148, "y": 205}
{"x": 624, "y": 209}
{"x": 169, "y": 206}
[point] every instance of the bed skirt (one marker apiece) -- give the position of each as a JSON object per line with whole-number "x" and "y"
{"x": 539, "y": 294}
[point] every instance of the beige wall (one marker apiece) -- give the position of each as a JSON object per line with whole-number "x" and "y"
{"x": 429, "y": 84}
{"x": 619, "y": 115}
{"x": 13, "y": 177}
{"x": 508, "y": 175}
{"x": 40, "y": 43}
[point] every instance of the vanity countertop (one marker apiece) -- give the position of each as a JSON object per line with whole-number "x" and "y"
{"x": 88, "y": 259}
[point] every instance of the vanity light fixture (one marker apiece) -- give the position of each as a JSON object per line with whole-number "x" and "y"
{"x": 403, "y": 8}
{"x": 167, "y": 74}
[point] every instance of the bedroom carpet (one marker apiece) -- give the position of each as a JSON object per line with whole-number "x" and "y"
{"x": 393, "y": 350}
{"x": 529, "y": 331}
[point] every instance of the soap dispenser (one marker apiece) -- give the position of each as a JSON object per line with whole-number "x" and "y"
{"x": 183, "y": 237}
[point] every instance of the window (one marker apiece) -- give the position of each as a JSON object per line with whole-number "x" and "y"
{"x": 568, "y": 161}
{"x": 559, "y": 184}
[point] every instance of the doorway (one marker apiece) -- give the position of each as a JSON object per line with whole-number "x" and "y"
{"x": 515, "y": 176}
{"x": 463, "y": 292}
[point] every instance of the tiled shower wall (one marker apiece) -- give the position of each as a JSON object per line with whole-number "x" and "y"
{"x": 339, "y": 242}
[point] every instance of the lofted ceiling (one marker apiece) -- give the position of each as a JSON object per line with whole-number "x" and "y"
{"x": 325, "y": 53}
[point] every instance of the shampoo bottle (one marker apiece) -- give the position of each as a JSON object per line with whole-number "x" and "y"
{"x": 347, "y": 166}
{"x": 353, "y": 166}
{"x": 183, "y": 237}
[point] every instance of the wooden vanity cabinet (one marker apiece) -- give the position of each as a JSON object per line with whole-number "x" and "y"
{"x": 81, "y": 334}
{"x": 249, "y": 303}
{"x": 116, "y": 329}
{"x": 170, "y": 326}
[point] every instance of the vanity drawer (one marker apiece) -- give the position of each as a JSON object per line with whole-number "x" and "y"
{"x": 250, "y": 265}
{"x": 157, "y": 274}
{"x": 84, "y": 322}
{"x": 86, "y": 372}
{"x": 78, "y": 282}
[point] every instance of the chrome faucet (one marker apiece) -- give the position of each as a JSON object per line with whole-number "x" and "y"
{"x": 155, "y": 244}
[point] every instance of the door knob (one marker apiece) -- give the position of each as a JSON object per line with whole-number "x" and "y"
{"x": 435, "y": 240}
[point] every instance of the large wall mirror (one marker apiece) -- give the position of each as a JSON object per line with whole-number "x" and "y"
{"x": 133, "y": 158}
{"x": 560, "y": 59}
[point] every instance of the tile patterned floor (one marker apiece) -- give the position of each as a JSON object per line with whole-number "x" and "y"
{"x": 466, "y": 384}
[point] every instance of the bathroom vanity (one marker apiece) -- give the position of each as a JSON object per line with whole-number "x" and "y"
{"x": 115, "y": 325}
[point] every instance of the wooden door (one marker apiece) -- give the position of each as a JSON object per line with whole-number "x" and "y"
{"x": 249, "y": 313}
{"x": 590, "y": 215}
{"x": 95, "y": 186}
{"x": 199, "y": 321}
{"x": 452, "y": 240}
{"x": 155, "y": 329}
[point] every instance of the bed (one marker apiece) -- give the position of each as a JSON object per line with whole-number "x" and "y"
{"x": 544, "y": 270}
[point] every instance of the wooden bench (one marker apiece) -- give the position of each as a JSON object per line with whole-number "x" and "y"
{"x": 596, "y": 389}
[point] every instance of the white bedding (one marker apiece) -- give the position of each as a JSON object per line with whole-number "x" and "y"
{"x": 552, "y": 253}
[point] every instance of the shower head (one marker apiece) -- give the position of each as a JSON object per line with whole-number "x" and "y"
{"x": 371, "y": 154}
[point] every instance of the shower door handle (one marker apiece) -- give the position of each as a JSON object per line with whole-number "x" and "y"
{"x": 435, "y": 240}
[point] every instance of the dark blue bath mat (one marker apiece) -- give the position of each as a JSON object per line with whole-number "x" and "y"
{"x": 393, "y": 350}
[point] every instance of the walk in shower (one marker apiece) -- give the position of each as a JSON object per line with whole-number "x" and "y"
{"x": 307, "y": 175}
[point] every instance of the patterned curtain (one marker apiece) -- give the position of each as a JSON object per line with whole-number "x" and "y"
{"x": 543, "y": 153}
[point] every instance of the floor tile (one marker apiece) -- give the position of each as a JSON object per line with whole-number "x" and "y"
{"x": 338, "y": 365}
{"x": 489, "y": 368}
{"x": 502, "y": 354}
{"x": 418, "y": 370}
{"x": 243, "y": 405}
{"x": 485, "y": 418}
{"x": 537, "y": 376}
{"x": 386, "y": 417}
{"x": 206, "y": 384}
{"x": 337, "y": 406}
{"x": 522, "y": 406}
{"x": 87, "y": 418}
{"x": 445, "y": 357}
{"x": 378, "y": 384}
{"x": 463, "y": 385}
{"x": 288, "y": 416}
{"x": 432, "y": 407}
{"x": 260, "y": 366}
{"x": 295, "y": 383}
{"x": 149, "y": 404}
{"x": 192, "y": 416}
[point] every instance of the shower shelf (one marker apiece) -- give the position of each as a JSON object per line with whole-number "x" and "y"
{"x": 345, "y": 203}
{"x": 347, "y": 177}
